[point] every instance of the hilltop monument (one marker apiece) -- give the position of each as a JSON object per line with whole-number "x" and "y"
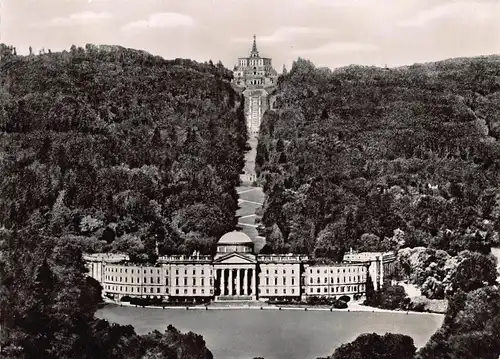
{"x": 256, "y": 76}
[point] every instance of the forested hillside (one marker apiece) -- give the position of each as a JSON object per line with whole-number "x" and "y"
{"x": 112, "y": 149}
{"x": 374, "y": 158}
{"x": 120, "y": 148}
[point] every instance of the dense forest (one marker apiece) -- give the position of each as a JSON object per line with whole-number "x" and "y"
{"x": 375, "y": 158}
{"x": 104, "y": 148}
{"x": 120, "y": 148}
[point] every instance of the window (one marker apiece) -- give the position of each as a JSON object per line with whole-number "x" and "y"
{"x": 145, "y": 280}
{"x": 177, "y": 272}
{"x": 293, "y": 272}
{"x": 310, "y": 290}
{"x": 194, "y": 291}
{"x": 293, "y": 281}
{"x": 319, "y": 290}
{"x": 284, "y": 281}
{"x": 318, "y": 271}
{"x": 293, "y": 291}
{"x": 318, "y": 280}
{"x": 166, "y": 281}
{"x": 275, "y": 271}
{"x": 275, "y": 291}
{"x": 185, "y": 271}
{"x": 325, "y": 290}
{"x": 151, "y": 290}
{"x": 185, "y": 291}
{"x": 151, "y": 271}
{"x": 202, "y": 281}
{"x": 326, "y": 280}
{"x": 203, "y": 291}
{"x": 185, "y": 281}
{"x": 267, "y": 291}
{"x": 176, "y": 281}
{"x": 311, "y": 280}
{"x": 284, "y": 271}
{"x": 267, "y": 281}
{"x": 158, "y": 280}
{"x": 177, "y": 291}
{"x": 284, "y": 291}
{"x": 202, "y": 272}
{"x": 194, "y": 271}
{"x": 275, "y": 281}
{"x": 194, "y": 281}
{"x": 151, "y": 280}
{"x": 158, "y": 290}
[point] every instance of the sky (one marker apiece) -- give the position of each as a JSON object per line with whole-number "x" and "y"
{"x": 330, "y": 33}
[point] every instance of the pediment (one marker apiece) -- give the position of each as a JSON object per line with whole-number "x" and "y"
{"x": 236, "y": 258}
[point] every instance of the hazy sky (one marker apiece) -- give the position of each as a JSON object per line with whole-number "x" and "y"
{"x": 328, "y": 32}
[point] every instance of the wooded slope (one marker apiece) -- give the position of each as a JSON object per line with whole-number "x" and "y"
{"x": 366, "y": 151}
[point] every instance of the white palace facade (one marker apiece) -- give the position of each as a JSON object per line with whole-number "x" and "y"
{"x": 236, "y": 273}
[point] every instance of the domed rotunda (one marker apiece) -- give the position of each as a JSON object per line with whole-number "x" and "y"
{"x": 234, "y": 241}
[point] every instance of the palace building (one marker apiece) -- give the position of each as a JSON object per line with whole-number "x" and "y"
{"x": 236, "y": 273}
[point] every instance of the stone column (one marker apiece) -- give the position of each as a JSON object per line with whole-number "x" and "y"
{"x": 230, "y": 284}
{"x": 245, "y": 281}
{"x": 238, "y": 282}
{"x": 254, "y": 291}
{"x": 222, "y": 279}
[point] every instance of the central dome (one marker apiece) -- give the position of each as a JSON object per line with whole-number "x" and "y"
{"x": 235, "y": 237}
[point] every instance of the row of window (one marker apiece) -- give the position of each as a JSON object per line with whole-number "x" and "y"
{"x": 332, "y": 279}
{"x": 284, "y": 291}
{"x": 193, "y": 281}
{"x": 132, "y": 270}
{"x": 339, "y": 270}
{"x": 116, "y": 288}
{"x": 151, "y": 271}
{"x": 283, "y": 280}
{"x": 284, "y": 271}
{"x": 154, "y": 290}
{"x": 337, "y": 289}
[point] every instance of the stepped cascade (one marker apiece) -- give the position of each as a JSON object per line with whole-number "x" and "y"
{"x": 257, "y": 78}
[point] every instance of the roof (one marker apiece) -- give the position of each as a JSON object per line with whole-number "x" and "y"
{"x": 235, "y": 237}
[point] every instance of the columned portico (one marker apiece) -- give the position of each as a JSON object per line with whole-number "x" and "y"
{"x": 235, "y": 281}
{"x": 235, "y": 267}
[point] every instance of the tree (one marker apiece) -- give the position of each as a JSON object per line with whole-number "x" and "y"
{"x": 369, "y": 346}
{"x": 275, "y": 240}
{"x": 475, "y": 270}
